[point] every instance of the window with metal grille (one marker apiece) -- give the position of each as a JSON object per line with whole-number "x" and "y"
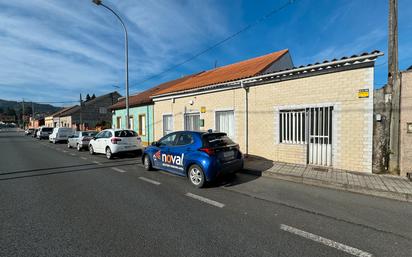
{"x": 192, "y": 121}
{"x": 225, "y": 122}
{"x": 167, "y": 124}
{"x": 142, "y": 124}
{"x": 292, "y": 126}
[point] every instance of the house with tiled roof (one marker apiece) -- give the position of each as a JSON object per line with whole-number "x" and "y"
{"x": 91, "y": 114}
{"x": 140, "y": 111}
{"x": 318, "y": 114}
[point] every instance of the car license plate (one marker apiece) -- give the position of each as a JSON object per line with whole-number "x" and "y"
{"x": 228, "y": 154}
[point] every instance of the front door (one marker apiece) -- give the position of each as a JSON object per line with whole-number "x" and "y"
{"x": 320, "y": 135}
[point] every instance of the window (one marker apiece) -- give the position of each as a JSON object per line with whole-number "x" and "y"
{"x": 225, "y": 122}
{"x": 167, "y": 124}
{"x": 167, "y": 140}
{"x": 142, "y": 124}
{"x": 292, "y": 126}
{"x": 216, "y": 140}
{"x": 131, "y": 122}
{"x": 184, "y": 139}
{"x": 118, "y": 122}
{"x": 192, "y": 121}
{"x": 125, "y": 133}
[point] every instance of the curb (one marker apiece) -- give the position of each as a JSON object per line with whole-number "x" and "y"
{"x": 344, "y": 187}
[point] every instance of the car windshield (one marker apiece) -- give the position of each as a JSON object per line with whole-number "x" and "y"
{"x": 216, "y": 140}
{"x": 125, "y": 133}
{"x": 47, "y": 129}
{"x": 89, "y": 133}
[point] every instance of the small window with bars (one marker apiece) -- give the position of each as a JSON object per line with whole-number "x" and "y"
{"x": 292, "y": 126}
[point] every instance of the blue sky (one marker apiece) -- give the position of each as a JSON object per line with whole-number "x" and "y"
{"x": 53, "y": 50}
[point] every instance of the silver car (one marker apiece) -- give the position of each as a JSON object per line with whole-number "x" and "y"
{"x": 80, "y": 140}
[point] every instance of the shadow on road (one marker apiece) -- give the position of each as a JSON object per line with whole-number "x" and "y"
{"x": 74, "y": 169}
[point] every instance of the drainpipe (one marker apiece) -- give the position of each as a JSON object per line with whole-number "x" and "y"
{"x": 147, "y": 125}
{"x": 246, "y": 118}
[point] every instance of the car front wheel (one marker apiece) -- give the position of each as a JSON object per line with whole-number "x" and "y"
{"x": 68, "y": 145}
{"x": 196, "y": 176}
{"x": 78, "y": 147}
{"x": 147, "y": 163}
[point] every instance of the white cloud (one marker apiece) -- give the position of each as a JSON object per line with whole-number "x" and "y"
{"x": 68, "y": 47}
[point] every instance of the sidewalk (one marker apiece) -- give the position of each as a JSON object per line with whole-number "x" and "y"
{"x": 387, "y": 186}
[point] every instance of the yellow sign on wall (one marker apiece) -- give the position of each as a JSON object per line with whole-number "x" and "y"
{"x": 203, "y": 109}
{"x": 363, "y": 93}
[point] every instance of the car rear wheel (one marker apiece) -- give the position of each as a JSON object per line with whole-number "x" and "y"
{"x": 109, "y": 154}
{"x": 147, "y": 163}
{"x": 91, "y": 150}
{"x": 196, "y": 176}
{"x": 78, "y": 147}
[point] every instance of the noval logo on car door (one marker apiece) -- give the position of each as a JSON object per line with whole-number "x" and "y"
{"x": 170, "y": 160}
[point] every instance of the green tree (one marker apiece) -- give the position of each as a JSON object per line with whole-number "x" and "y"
{"x": 93, "y": 96}
{"x": 88, "y": 97}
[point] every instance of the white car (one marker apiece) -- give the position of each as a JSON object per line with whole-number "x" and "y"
{"x": 43, "y": 132}
{"x": 113, "y": 141}
{"x": 60, "y": 134}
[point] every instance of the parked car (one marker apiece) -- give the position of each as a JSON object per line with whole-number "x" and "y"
{"x": 114, "y": 141}
{"x": 80, "y": 140}
{"x": 29, "y": 131}
{"x": 44, "y": 132}
{"x": 60, "y": 134}
{"x": 201, "y": 156}
{"x": 34, "y": 134}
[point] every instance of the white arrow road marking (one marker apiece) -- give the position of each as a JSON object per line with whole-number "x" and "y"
{"x": 73, "y": 154}
{"x": 150, "y": 181}
{"x": 117, "y": 169}
{"x": 98, "y": 163}
{"x": 348, "y": 249}
{"x": 84, "y": 158}
{"x": 205, "y": 200}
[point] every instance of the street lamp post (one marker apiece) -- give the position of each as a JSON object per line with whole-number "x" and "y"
{"x": 126, "y": 49}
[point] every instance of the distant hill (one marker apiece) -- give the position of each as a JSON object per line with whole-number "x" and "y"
{"x": 38, "y": 108}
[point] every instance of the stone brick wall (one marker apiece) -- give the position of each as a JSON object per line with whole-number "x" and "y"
{"x": 353, "y": 116}
{"x": 406, "y": 117}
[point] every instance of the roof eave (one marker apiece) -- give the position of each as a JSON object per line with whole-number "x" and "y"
{"x": 344, "y": 61}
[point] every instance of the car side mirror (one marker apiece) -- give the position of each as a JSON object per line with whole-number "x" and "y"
{"x": 155, "y": 143}
{"x": 94, "y": 138}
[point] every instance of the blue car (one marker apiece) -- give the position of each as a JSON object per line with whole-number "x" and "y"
{"x": 201, "y": 156}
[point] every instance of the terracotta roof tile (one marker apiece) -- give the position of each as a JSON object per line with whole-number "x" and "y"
{"x": 226, "y": 73}
{"x": 144, "y": 97}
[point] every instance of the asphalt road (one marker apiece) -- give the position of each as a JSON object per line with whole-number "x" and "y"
{"x": 56, "y": 201}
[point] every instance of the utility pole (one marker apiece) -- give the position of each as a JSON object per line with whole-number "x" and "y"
{"x": 22, "y": 113}
{"x": 32, "y": 114}
{"x": 80, "y": 114}
{"x": 393, "y": 87}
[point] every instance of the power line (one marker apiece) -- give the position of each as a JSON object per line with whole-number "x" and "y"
{"x": 258, "y": 21}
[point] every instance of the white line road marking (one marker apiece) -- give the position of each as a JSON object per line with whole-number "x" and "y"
{"x": 117, "y": 169}
{"x": 84, "y": 158}
{"x": 205, "y": 200}
{"x": 64, "y": 151}
{"x": 150, "y": 181}
{"x": 325, "y": 241}
{"x": 73, "y": 154}
{"x": 98, "y": 163}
